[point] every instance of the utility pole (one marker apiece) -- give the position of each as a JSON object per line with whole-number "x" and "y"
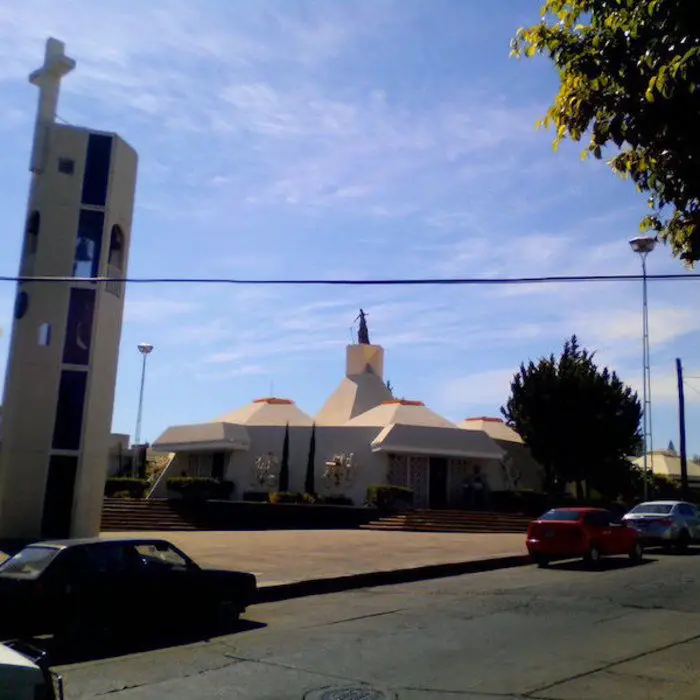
{"x": 681, "y": 429}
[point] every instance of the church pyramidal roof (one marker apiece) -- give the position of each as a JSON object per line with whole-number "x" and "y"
{"x": 268, "y": 411}
{"x": 401, "y": 412}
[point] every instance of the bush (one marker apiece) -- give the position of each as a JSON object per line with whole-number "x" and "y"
{"x": 389, "y": 497}
{"x": 256, "y": 496}
{"x": 126, "y": 487}
{"x": 310, "y": 498}
{"x": 337, "y": 501}
{"x": 285, "y": 497}
{"x": 200, "y": 488}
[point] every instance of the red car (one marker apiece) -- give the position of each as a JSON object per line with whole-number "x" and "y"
{"x": 569, "y": 533}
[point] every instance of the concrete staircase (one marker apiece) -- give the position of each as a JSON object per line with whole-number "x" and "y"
{"x": 124, "y": 515}
{"x": 451, "y": 521}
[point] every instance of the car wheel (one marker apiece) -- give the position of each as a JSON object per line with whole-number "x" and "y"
{"x": 541, "y": 561}
{"x": 593, "y": 556}
{"x": 683, "y": 541}
{"x": 637, "y": 552}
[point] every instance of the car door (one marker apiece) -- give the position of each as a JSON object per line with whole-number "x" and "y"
{"x": 611, "y": 537}
{"x": 169, "y": 577}
{"x": 691, "y": 517}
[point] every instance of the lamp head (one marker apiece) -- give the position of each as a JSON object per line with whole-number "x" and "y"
{"x": 145, "y": 348}
{"x": 643, "y": 244}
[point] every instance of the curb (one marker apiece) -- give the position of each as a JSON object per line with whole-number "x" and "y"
{"x": 301, "y": 589}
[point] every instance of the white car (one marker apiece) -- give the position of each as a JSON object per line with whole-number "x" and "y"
{"x": 24, "y": 674}
{"x": 665, "y": 523}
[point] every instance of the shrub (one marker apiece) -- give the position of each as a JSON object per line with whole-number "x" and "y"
{"x": 285, "y": 497}
{"x": 256, "y": 496}
{"x": 389, "y": 497}
{"x": 337, "y": 501}
{"x": 310, "y": 498}
{"x": 126, "y": 487}
{"x": 200, "y": 488}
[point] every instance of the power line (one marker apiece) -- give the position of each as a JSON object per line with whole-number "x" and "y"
{"x": 356, "y": 282}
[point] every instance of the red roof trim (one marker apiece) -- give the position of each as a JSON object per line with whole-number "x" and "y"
{"x": 274, "y": 400}
{"x": 403, "y": 402}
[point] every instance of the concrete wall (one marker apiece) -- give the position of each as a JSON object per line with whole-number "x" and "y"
{"x": 370, "y": 468}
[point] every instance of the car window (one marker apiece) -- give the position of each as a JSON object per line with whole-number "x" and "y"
{"x": 110, "y": 559}
{"x": 687, "y": 510}
{"x": 653, "y": 508}
{"x": 161, "y": 555}
{"x": 30, "y": 562}
{"x": 598, "y": 519}
{"x": 561, "y": 514}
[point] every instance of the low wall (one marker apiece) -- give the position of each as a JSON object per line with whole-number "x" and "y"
{"x": 243, "y": 515}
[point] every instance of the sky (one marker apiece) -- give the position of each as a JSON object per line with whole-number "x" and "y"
{"x": 342, "y": 139}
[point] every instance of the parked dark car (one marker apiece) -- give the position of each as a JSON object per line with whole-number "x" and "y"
{"x": 76, "y": 588}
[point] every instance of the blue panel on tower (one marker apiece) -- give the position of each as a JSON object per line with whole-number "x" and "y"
{"x": 88, "y": 243}
{"x": 68, "y": 426}
{"x": 96, "y": 178}
{"x": 81, "y": 311}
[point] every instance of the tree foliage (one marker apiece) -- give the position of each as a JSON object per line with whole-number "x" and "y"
{"x": 310, "y": 478}
{"x": 284, "y": 467}
{"x": 580, "y": 422}
{"x": 630, "y": 77}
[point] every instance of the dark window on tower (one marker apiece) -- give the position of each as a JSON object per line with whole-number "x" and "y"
{"x": 116, "y": 247}
{"x": 58, "y": 498}
{"x": 66, "y": 166}
{"x": 32, "y": 235}
{"x": 68, "y": 426}
{"x": 81, "y": 310}
{"x": 88, "y": 244}
{"x": 97, "y": 163}
{"x": 21, "y": 304}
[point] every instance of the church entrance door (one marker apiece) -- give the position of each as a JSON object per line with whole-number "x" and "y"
{"x": 437, "y": 494}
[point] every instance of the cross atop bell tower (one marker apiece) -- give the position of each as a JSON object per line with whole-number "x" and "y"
{"x": 48, "y": 80}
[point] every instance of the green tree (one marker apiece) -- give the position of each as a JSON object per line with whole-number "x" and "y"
{"x": 580, "y": 422}
{"x": 284, "y": 467}
{"x": 310, "y": 480}
{"x": 629, "y": 77}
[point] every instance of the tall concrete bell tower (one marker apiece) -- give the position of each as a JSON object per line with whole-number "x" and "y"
{"x": 62, "y": 364}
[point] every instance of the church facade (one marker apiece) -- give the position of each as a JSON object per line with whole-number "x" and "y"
{"x": 362, "y": 436}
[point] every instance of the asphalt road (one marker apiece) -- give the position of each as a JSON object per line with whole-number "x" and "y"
{"x": 560, "y": 633}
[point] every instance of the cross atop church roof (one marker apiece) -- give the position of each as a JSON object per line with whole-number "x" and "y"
{"x": 48, "y": 80}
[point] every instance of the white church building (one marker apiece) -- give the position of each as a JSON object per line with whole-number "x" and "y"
{"x": 391, "y": 441}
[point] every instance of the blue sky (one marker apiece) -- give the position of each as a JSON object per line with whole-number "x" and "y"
{"x": 338, "y": 138}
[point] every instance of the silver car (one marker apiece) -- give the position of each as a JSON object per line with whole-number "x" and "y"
{"x": 666, "y": 523}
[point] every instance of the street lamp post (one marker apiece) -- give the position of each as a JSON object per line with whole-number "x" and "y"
{"x": 643, "y": 245}
{"x": 145, "y": 349}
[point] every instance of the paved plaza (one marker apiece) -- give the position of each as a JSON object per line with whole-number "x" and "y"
{"x": 287, "y": 556}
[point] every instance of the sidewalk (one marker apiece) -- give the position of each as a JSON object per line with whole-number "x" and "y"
{"x": 306, "y": 562}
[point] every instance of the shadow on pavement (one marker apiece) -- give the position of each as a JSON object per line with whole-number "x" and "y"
{"x": 606, "y": 564}
{"x": 143, "y": 641}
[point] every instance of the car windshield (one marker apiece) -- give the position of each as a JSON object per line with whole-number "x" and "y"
{"x": 30, "y": 562}
{"x": 561, "y": 514}
{"x": 653, "y": 508}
